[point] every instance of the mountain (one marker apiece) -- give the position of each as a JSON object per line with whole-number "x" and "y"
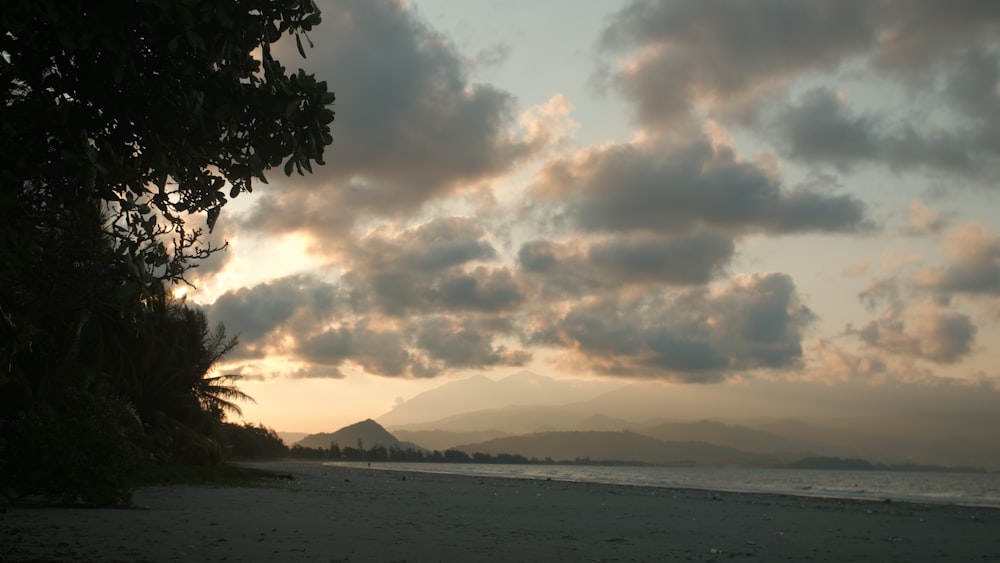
{"x": 523, "y": 420}
{"x": 607, "y": 446}
{"x": 885, "y": 423}
{"x": 927, "y": 440}
{"x": 367, "y": 432}
{"x": 442, "y": 440}
{"x": 738, "y": 437}
{"x": 479, "y": 393}
{"x": 290, "y": 438}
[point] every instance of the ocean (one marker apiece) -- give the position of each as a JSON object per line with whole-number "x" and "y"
{"x": 966, "y": 489}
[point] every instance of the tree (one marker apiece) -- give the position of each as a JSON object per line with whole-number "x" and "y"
{"x": 120, "y": 121}
{"x": 155, "y": 109}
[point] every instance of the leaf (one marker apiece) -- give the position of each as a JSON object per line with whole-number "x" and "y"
{"x": 298, "y": 44}
{"x": 213, "y": 216}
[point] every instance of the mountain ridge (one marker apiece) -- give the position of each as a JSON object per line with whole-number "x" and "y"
{"x": 364, "y": 434}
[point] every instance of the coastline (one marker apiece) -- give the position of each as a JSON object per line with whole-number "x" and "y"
{"x": 335, "y": 513}
{"x": 947, "y": 488}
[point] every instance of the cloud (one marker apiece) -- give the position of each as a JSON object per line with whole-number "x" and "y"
{"x": 253, "y": 312}
{"x": 922, "y": 220}
{"x": 926, "y": 330}
{"x": 882, "y": 292}
{"x": 680, "y": 187}
{"x": 972, "y": 253}
{"x": 379, "y": 352}
{"x": 913, "y": 31}
{"x": 428, "y": 346}
{"x": 416, "y": 302}
{"x": 727, "y": 56}
{"x": 678, "y": 261}
{"x": 440, "y": 265}
{"x": 440, "y": 243}
{"x": 449, "y": 343}
{"x": 685, "y": 57}
{"x": 700, "y": 335}
{"x": 821, "y": 129}
{"x": 492, "y": 56}
{"x": 261, "y": 315}
{"x": 580, "y": 267}
{"x": 930, "y": 333}
{"x": 298, "y": 320}
{"x": 410, "y": 127}
{"x": 833, "y": 362}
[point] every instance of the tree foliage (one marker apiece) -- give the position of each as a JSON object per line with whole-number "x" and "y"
{"x": 120, "y": 122}
{"x": 157, "y": 109}
{"x": 253, "y": 442}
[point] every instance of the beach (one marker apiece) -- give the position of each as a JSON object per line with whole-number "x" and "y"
{"x": 357, "y": 514}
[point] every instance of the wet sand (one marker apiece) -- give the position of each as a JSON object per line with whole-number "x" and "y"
{"x": 361, "y": 515}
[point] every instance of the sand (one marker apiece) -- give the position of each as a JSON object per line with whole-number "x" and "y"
{"x": 360, "y": 515}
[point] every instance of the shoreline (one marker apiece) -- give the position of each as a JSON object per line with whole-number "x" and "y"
{"x": 337, "y": 513}
{"x": 805, "y": 492}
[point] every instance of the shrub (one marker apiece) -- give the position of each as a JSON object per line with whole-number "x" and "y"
{"x": 80, "y": 449}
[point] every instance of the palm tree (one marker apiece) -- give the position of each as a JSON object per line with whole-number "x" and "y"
{"x": 168, "y": 372}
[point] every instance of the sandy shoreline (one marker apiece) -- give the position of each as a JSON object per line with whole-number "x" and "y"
{"x": 359, "y": 515}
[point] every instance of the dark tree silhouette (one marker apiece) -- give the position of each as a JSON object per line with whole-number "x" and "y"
{"x": 119, "y": 123}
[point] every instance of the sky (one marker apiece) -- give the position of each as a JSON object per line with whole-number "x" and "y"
{"x": 688, "y": 192}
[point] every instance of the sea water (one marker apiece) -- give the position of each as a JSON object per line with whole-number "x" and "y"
{"x": 968, "y": 489}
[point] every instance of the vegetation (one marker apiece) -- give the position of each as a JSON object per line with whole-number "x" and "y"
{"x": 249, "y": 442}
{"x": 124, "y": 126}
{"x": 396, "y": 454}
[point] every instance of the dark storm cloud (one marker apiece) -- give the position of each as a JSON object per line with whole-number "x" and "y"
{"x": 409, "y": 125}
{"x": 754, "y": 322}
{"x": 676, "y": 188}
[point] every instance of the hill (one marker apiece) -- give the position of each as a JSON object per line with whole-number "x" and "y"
{"x": 367, "y": 433}
{"x": 290, "y": 438}
{"x": 618, "y": 446}
{"x": 737, "y": 437}
{"x": 442, "y": 440}
{"x": 523, "y": 419}
{"x": 480, "y": 393}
